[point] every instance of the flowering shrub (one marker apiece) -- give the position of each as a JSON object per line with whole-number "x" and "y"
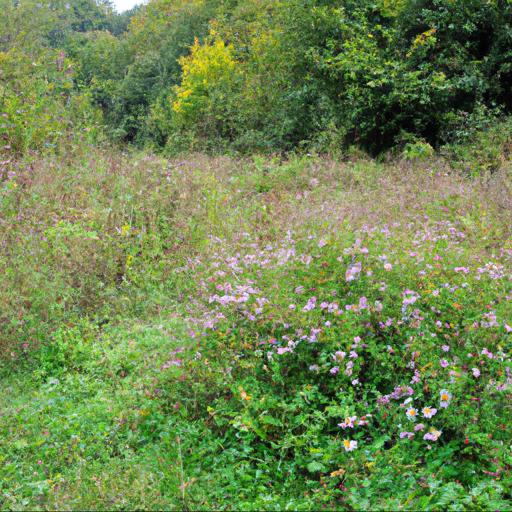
{"x": 391, "y": 337}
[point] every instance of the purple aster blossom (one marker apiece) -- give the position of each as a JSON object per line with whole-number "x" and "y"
{"x": 401, "y": 391}
{"x": 172, "y": 362}
{"x": 310, "y": 305}
{"x": 429, "y": 412}
{"x": 333, "y": 306}
{"x": 353, "y": 271}
{"x": 490, "y": 320}
{"x": 433, "y": 435}
{"x": 384, "y": 399}
{"x": 485, "y": 352}
{"x": 409, "y": 297}
{"x": 348, "y": 422}
{"x": 339, "y": 355}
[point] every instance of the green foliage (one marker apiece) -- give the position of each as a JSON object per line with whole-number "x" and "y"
{"x": 142, "y": 67}
{"x": 368, "y": 72}
{"x": 33, "y": 25}
{"x": 157, "y": 351}
{"x": 86, "y": 232}
{"x": 46, "y": 70}
{"x": 39, "y": 103}
{"x": 285, "y": 341}
{"x": 418, "y": 151}
{"x": 484, "y": 151}
{"x": 315, "y": 75}
{"x": 285, "y": 332}
{"x": 202, "y": 103}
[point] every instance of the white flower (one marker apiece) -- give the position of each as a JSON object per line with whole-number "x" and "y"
{"x": 349, "y": 445}
{"x": 428, "y": 412}
{"x": 445, "y": 397}
{"x": 411, "y": 413}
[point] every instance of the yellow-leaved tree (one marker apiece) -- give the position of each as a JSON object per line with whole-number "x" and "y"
{"x": 209, "y": 75}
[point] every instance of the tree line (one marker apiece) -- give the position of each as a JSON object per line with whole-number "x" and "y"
{"x": 253, "y": 75}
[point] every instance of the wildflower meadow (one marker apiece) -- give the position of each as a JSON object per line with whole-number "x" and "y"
{"x": 339, "y": 340}
{"x": 256, "y": 255}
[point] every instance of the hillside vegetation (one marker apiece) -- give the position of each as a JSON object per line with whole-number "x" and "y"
{"x": 255, "y": 75}
{"x": 256, "y": 255}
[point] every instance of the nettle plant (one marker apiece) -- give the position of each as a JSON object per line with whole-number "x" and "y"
{"x": 389, "y": 337}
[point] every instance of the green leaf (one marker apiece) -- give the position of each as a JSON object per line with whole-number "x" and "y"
{"x": 316, "y": 467}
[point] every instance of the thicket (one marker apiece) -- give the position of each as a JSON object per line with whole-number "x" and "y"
{"x": 257, "y": 75}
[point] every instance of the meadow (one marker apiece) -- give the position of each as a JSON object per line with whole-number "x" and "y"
{"x": 256, "y": 255}
{"x": 254, "y": 333}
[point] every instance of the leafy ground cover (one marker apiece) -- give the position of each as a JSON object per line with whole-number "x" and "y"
{"x": 211, "y": 333}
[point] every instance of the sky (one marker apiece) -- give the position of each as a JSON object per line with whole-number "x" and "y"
{"x": 124, "y": 5}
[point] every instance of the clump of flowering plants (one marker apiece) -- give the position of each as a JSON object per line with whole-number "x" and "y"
{"x": 333, "y": 350}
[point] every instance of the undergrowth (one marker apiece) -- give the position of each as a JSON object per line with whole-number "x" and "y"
{"x": 212, "y": 333}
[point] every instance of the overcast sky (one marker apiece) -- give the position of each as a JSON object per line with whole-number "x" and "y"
{"x": 124, "y": 5}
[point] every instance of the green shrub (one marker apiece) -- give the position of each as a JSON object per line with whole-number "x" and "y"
{"x": 483, "y": 151}
{"x": 418, "y": 151}
{"x": 362, "y": 71}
